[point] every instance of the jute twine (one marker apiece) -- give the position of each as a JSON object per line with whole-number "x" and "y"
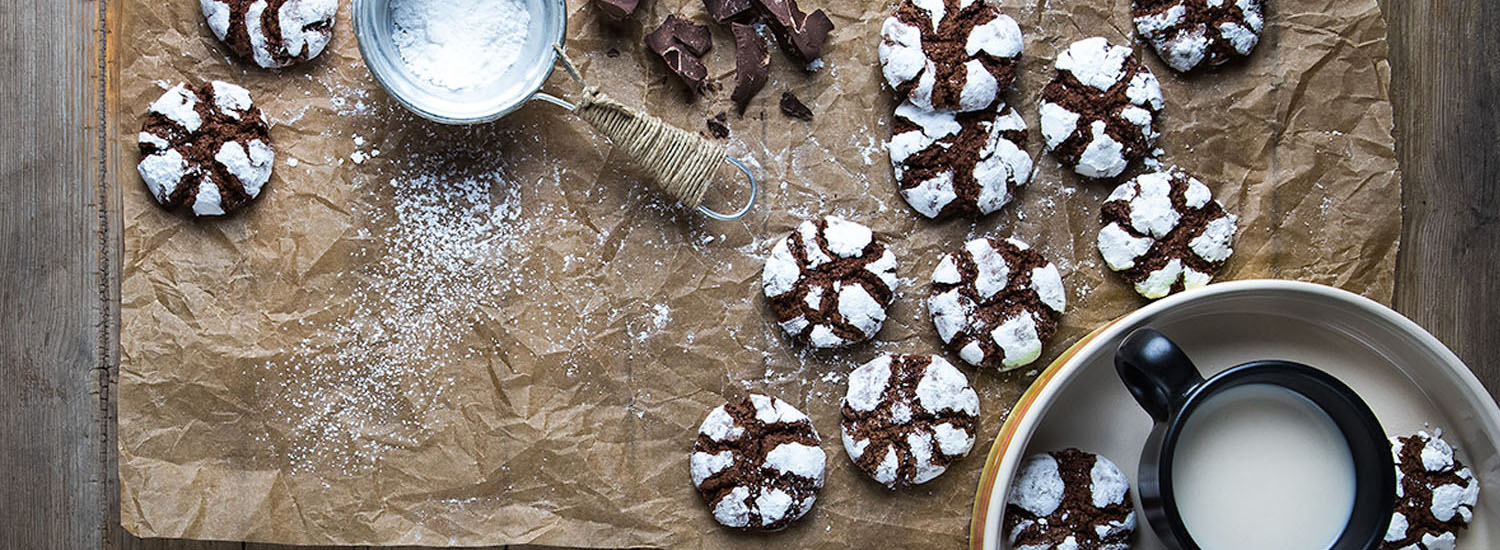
{"x": 680, "y": 162}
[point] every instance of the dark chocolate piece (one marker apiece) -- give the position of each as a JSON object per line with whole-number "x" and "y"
{"x": 724, "y": 11}
{"x": 750, "y": 62}
{"x": 692, "y": 36}
{"x": 801, "y": 35}
{"x": 617, "y": 9}
{"x": 794, "y": 107}
{"x": 680, "y": 43}
{"x": 718, "y": 126}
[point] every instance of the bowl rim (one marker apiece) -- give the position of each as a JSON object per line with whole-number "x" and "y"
{"x": 1025, "y": 415}
{"x": 377, "y": 70}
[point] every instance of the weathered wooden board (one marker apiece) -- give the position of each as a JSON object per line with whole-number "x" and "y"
{"x": 59, "y": 245}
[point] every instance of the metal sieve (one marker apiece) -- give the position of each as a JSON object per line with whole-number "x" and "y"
{"x": 674, "y": 158}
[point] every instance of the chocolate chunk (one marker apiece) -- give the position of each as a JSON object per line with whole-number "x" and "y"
{"x": 617, "y": 9}
{"x": 750, "y": 61}
{"x": 680, "y": 43}
{"x": 794, "y": 107}
{"x": 802, "y": 35}
{"x": 724, "y": 11}
{"x": 693, "y": 37}
{"x": 718, "y": 127}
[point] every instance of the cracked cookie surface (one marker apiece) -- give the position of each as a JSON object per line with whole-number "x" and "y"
{"x": 1099, "y": 112}
{"x": 959, "y": 164}
{"x": 830, "y": 283}
{"x": 953, "y": 55}
{"x": 995, "y": 303}
{"x": 1164, "y": 233}
{"x": 757, "y": 463}
{"x": 205, "y": 149}
{"x": 907, "y": 418}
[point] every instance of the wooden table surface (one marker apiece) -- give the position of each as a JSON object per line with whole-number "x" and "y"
{"x": 60, "y": 248}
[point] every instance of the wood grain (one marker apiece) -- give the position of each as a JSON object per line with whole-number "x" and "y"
{"x": 59, "y": 244}
{"x": 53, "y": 277}
{"x": 1445, "y": 59}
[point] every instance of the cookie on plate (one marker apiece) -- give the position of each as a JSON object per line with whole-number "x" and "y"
{"x": 958, "y": 164}
{"x": 272, "y": 33}
{"x": 907, "y": 418}
{"x": 1099, "y": 112}
{"x": 1164, "y": 233}
{"x": 1070, "y": 500}
{"x": 830, "y": 282}
{"x": 757, "y": 463}
{"x": 1189, "y": 34}
{"x": 995, "y": 302}
{"x": 206, "y": 149}
{"x": 1435, "y": 494}
{"x": 952, "y": 55}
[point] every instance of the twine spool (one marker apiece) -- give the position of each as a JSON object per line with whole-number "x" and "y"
{"x": 680, "y": 162}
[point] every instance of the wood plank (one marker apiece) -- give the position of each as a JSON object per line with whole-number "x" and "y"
{"x": 53, "y": 349}
{"x": 1445, "y": 59}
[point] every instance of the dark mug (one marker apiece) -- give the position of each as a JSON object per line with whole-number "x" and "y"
{"x": 1170, "y": 389}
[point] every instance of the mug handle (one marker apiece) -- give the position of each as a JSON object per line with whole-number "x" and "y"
{"x": 1157, "y": 373}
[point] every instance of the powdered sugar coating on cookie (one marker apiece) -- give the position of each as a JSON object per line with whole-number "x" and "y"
{"x": 1164, "y": 233}
{"x": 1069, "y": 500}
{"x": 1435, "y": 494}
{"x": 272, "y": 33}
{"x": 1098, "y": 114}
{"x": 1191, "y": 34}
{"x": 830, "y": 282}
{"x": 906, "y": 418}
{"x": 952, "y": 164}
{"x": 206, "y": 149}
{"x": 757, "y": 463}
{"x": 995, "y": 303}
{"x": 955, "y": 55}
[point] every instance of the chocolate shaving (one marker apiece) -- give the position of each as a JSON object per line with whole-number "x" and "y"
{"x": 681, "y": 44}
{"x": 718, "y": 126}
{"x": 724, "y": 11}
{"x": 750, "y": 62}
{"x": 801, "y": 35}
{"x": 617, "y": 9}
{"x": 794, "y": 107}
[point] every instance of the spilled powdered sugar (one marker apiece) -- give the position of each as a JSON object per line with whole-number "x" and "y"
{"x": 367, "y": 381}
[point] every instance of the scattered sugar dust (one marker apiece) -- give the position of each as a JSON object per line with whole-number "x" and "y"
{"x": 367, "y": 380}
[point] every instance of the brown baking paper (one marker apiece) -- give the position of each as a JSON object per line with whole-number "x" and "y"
{"x": 498, "y": 334}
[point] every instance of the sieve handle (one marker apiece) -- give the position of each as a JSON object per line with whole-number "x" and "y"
{"x": 682, "y": 163}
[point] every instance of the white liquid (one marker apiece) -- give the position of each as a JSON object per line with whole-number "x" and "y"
{"x": 1260, "y": 467}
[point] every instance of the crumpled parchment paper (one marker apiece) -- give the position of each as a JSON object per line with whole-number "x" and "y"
{"x": 497, "y": 334}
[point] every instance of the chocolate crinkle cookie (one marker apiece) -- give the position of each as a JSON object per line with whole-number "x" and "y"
{"x": 1435, "y": 494}
{"x": 907, "y": 418}
{"x": 207, "y": 149}
{"x": 1099, "y": 111}
{"x": 1189, "y": 34}
{"x": 757, "y": 463}
{"x": 829, "y": 283}
{"x": 995, "y": 302}
{"x": 272, "y": 33}
{"x": 955, "y": 55}
{"x": 1070, "y": 500}
{"x": 1164, "y": 233}
{"x": 958, "y": 164}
